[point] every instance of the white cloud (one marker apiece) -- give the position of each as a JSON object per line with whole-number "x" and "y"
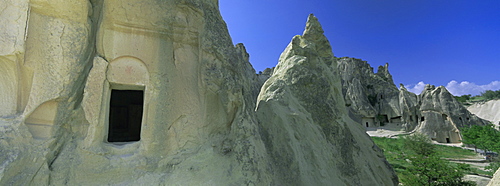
{"x": 466, "y": 87}
{"x": 417, "y": 89}
{"x": 457, "y": 88}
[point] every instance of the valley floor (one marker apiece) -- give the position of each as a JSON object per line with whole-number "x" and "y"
{"x": 476, "y": 161}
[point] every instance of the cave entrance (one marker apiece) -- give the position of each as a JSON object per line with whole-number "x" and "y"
{"x": 125, "y": 115}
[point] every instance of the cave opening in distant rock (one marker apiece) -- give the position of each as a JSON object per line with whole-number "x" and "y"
{"x": 367, "y": 125}
{"x": 422, "y": 118}
{"x": 125, "y": 115}
{"x": 445, "y": 117}
{"x": 447, "y": 140}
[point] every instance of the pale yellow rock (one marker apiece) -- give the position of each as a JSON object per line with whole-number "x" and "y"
{"x": 496, "y": 179}
{"x": 442, "y": 115}
{"x": 487, "y": 110}
{"x": 13, "y": 24}
{"x": 307, "y": 130}
{"x": 197, "y": 93}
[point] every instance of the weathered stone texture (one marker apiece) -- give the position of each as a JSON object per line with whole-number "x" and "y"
{"x": 306, "y": 122}
{"x": 61, "y": 60}
{"x": 489, "y": 110}
{"x": 373, "y": 100}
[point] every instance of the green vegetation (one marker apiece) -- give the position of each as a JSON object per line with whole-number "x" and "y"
{"x": 418, "y": 162}
{"x": 486, "y": 138}
{"x": 464, "y": 98}
{"x": 484, "y": 96}
{"x": 490, "y": 94}
{"x": 483, "y": 137}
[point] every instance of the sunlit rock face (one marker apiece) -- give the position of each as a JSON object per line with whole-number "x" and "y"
{"x": 154, "y": 92}
{"x": 496, "y": 179}
{"x": 442, "y": 115}
{"x": 487, "y": 110}
{"x": 304, "y": 121}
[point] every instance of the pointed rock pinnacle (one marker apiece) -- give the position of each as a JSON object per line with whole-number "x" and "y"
{"x": 313, "y": 28}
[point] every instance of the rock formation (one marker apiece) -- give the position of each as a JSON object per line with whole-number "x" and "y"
{"x": 442, "y": 115}
{"x": 487, "y": 110}
{"x": 373, "y": 100}
{"x": 154, "y": 92}
{"x": 496, "y": 179}
{"x": 303, "y": 98}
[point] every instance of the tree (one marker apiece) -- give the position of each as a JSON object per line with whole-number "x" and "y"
{"x": 486, "y": 138}
{"x": 490, "y": 94}
{"x": 432, "y": 170}
{"x": 427, "y": 168}
{"x": 463, "y": 98}
{"x": 419, "y": 144}
{"x": 482, "y": 137}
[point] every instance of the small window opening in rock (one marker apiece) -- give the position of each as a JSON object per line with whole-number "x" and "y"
{"x": 447, "y": 140}
{"x": 467, "y": 119}
{"x": 460, "y": 118}
{"x": 367, "y": 124}
{"x": 422, "y": 118}
{"x": 125, "y": 115}
{"x": 411, "y": 118}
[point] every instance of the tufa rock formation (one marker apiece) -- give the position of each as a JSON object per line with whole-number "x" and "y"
{"x": 303, "y": 99}
{"x": 487, "y": 110}
{"x": 373, "y": 100}
{"x": 442, "y": 115}
{"x": 154, "y": 92}
{"x": 496, "y": 179}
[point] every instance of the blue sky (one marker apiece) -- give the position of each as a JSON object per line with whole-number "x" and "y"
{"x": 454, "y": 43}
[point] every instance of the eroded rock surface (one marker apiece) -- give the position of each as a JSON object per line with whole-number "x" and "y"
{"x": 373, "y": 101}
{"x": 489, "y": 110}
{"x": 496, "y": 179}
{"x": 304, "y": 121}
{"x": 154, "y": 92}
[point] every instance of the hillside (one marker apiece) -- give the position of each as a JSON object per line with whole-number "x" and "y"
{"x": 489, "y": 110}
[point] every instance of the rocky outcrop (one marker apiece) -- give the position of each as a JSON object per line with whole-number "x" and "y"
{"x": 373, "y": 100}
{"x": 488, "y": 110}
{"x": 496, "y": 179}
{"x": 442, "y": 115}
{"x": 154, "y": 92}
{"x": 303, "y": 99}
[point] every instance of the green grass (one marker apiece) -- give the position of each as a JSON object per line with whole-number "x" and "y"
{"x": 455, "y": 152}
{"x": 395, "y": 153}
{"x": 477, "y": 98}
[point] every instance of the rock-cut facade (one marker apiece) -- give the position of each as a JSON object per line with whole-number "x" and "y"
{"x": 123, "y": 92}
{"x": 373, "y": 100}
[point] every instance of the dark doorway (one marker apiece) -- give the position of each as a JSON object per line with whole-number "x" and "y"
{"x": 125, "y": 115}
{"x": 447, "y": 140}
{"x": 422, "y": 118}
{"x": 367, "y": 124}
